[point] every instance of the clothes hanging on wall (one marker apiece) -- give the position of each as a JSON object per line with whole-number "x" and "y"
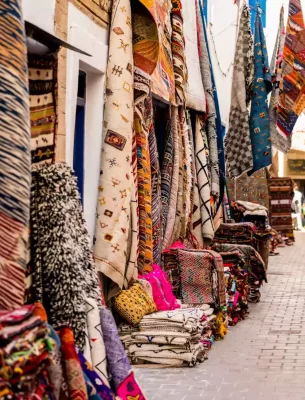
{"x": 278, "y": 141}
{"x": 43, "y": 106}
{"x": 259, "y": 115}
{"x": 14, "y": 156}
{"x": 238, "y": 150}
{"x": 292, "y": 85}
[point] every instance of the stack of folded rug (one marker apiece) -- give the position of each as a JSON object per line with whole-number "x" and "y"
{"x": 172, "y": 338}
{"x": 253, "y": 265}
{"x": 26, "y": 352}
{"x": 237, "y": 286}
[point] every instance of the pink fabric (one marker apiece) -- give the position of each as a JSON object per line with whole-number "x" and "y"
{"x": 176, "y": 245}
{"x": 129, "y": 389}
{"x": 162, "y": 289}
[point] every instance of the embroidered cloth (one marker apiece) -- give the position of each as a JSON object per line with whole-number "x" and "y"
{"x": 259, "y": 116}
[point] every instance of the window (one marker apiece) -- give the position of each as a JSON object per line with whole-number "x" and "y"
{"x": 79, "y": 138}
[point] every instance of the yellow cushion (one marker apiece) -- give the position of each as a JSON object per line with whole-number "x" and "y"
{"x": 133, "y": 304}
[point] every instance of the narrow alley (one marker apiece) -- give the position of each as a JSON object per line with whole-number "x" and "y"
{"x": 264, "y": 358}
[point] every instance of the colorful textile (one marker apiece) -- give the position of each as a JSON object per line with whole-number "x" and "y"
{"x": 195, "y": 95}
{"x": 259, "y": 116}
{"x": 26, "y": 354}
{"x": 167, "y": 170}
{"x": 43, "y": 106}
{"x": 163, "y": 81}
{"x": 292, "y": 86}
{"x": 179, "y": 212}
{"x": 113, "y": 211}
{"x": 220, "y": 298}
{"x": 130, "y": 390}
{"x": 281, "y": 197}
{"x": 143, "y": 123}
{"x": 146, "y": 46}
{"x": 102, "y": 389}
{"x": 202, "y": 169}
{"x": 118, "y": 364}
{"x": 161, "y": 289}
{"x": 76, "y": 385}
{"x": 63, "y": 270}
{"x": 14, "y": 156}
{"x": 156, "y": 193}
{"x": 171, "y": 267}
{"x": 178, "y": 52}
{"x": 172, "y": 207}
{"x": 278, "y": 141}
{"x": 241, "y": 233}
{"x": 205, "y": 67}
{"x": 238, "y": 151}
{"x": 195, "y": 223}
{"x": 96, "y": 340}
{"x": 219, "y": 128}
{"x": 196, "y": 276}
{"x": 55, "y": 369}
{"x": 253, "y": 188}
{"x": 133, "y": 303}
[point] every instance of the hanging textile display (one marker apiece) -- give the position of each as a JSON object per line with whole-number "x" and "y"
{"x": 259, "y": 116}
{"x": 179, "y": 207}
{"x": 178, "y": 52}
{"x": 113, "y": 211}
{"x": 238, "y": 150}
{"x": 195, "y": 228}
{"x": 142, "y": 124}
{"x": 43, "y": 106}
{"x": 163, "y": 81}
{"x": 173, "y": 193}
{"x": 203, "y": 180}
{"x": 253, "y": 7}
{"x": 14, "y": 156}
{"x": 211, "y": 112}
{"x": 63, "y": 270}
{"x": 292, "y": 86}
{"x": 195, "y": 96}
{"x": 278, "y": 141}
{"x": 167, "y": 171}
{"x": 219, "y": 127}
{"x": 156, "y": 204}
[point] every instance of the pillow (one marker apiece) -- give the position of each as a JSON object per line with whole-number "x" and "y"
{"x": 132, "y": 304}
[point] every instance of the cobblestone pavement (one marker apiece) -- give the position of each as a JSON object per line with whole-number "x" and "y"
{"x": 262, "y": 358}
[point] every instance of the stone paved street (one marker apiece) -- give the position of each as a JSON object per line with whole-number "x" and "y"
{"x": 261, "y": 358}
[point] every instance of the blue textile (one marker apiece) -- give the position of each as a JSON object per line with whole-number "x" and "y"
{"x": 103, "y": 391}
{"x": 259, "y": 116}
{"x": 219, "y": 127}
{"x": 253, "y": 7}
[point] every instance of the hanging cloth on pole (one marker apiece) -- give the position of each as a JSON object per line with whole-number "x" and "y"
{"x": 262, "y": 4}
{"x": 238, "y": 149}
{"x": 259, "y": 116}
{"x": 278, "y": 141}
{"x": 292, "y": 86}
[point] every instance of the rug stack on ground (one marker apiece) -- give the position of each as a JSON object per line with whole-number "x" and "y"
{"x": 281, "y": 196}
{"x": 253, "y": 265}
{"x": 237, "y": 286}
{"x": 170, "y": 338}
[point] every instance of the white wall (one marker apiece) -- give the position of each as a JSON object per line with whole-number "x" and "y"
{"x": 40, "y": 13}
{"x": 222, "y": 20}
{"x": 86, "y": 35}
